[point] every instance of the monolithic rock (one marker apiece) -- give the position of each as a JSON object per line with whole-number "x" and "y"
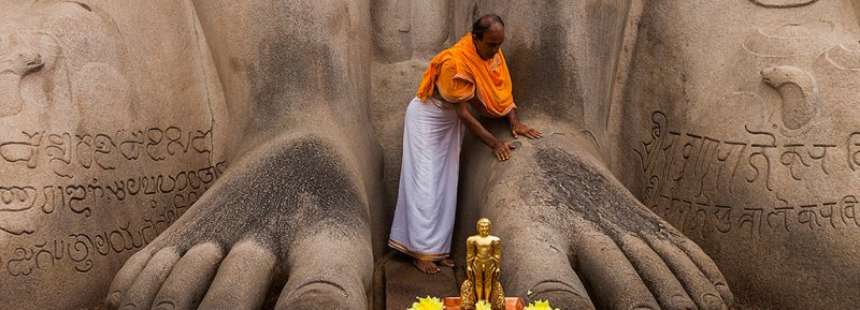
{"x": 224, "y": 154}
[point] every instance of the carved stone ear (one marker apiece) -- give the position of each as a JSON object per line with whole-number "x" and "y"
{"x": 42, "y": 88}
{"x": 92, "y": 56}
{"x": 83, "y": 34}
{"x": 19, "y": 58}
{"x": 48, "y": 48}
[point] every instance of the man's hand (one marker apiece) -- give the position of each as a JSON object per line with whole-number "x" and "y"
{"x": 503, "y": 150}
{"x": 521, "y": 129}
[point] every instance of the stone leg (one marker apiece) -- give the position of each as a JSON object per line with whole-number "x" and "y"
{"x": 295, "y": 208}
{"x": 288, "y": 210}
{"x": 569, "y": 225}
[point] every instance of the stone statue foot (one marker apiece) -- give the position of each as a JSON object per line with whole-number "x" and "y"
{"x": 574, "y": 235}
{"x": 289, "y": 210}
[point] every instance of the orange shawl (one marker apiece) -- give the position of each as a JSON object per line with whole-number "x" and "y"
{"x": 490, "y": 77}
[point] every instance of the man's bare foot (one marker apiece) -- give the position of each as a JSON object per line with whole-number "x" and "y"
{"x": 425, "y": 266}
{"x": 447, "y": 262}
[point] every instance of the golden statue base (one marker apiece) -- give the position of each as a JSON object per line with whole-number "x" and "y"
{"x": 511, "y": 303}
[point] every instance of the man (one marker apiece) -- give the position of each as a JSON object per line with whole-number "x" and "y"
{"x": 472, "y": 73}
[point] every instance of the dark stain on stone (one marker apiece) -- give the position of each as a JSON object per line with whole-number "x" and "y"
{"x": 296, "y": 188}
{"x": 531, "y": 65}
{"x": 291, "y": 67}
{"x": 235, "y": 64}
{"x": 581, "y": 188}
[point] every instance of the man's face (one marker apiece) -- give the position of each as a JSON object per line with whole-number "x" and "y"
{"x": 492, "y": 41}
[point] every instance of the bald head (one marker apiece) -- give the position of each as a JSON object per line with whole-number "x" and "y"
{"x": 484, "y": 24}
{"x": 488, "y": 33}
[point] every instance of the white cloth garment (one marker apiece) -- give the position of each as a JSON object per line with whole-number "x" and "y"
{"x": 427, "y": 198}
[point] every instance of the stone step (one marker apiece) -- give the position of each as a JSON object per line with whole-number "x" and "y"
{"x": 398, "y": 282}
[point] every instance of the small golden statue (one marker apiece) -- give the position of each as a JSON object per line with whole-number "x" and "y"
{"x": 483, "y": 268}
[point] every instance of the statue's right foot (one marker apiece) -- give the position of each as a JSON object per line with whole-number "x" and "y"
{"x": 292, "y": 212}
{"x": 426, "y": 266}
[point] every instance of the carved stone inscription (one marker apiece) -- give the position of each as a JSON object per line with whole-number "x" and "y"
{"x": 65, "y": 152}
{"x": 702, "y": 183}
{"x": 166, "y": 197}
{"x": 83, "y": 197}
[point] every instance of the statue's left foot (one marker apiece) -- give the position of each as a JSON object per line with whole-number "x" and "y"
{"x": 575, "y": 236}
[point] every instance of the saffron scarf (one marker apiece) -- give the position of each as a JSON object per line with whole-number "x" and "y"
{"x": 490, "y": 77}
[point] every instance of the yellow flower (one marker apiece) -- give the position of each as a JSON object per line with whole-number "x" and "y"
{"x": 483, "y": 305}
{"x": 539, "y": 305}
{"x": 427, "y": 303}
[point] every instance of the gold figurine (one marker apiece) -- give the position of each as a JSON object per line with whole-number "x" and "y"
{"x": 483, "y": 262}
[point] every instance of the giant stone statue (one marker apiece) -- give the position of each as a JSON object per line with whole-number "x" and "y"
{"x": 226, "y": 154}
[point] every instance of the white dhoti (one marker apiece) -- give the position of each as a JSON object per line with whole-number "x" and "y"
{"x": 427, "y": 198}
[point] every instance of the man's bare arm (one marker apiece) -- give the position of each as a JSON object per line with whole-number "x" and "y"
{"x": 502, "y": 150}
